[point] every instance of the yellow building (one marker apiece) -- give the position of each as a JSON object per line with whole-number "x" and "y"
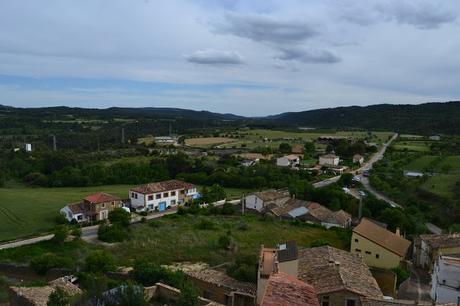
{"x": 379, "y": 247}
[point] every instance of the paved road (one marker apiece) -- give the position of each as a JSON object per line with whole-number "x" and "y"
{"x": 21, "y": 242}
{"x": 366, "y": 166}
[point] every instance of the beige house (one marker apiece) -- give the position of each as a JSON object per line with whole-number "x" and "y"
{"x": 329, "y": 160}
{"x": 261, "y": 200}
{"x": 358, "y": 159}
{"x": 292, "y": 161}
{"x": 379, "y": 247}
{"x": 93, "y": 208}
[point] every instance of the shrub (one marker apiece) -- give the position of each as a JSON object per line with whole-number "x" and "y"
{"x": 60, "y": 219}
{"x": 244, "y": 268}
{"x": 242, "y": 226}
{"x": 228, "y": 209}
{"x": 319, "y": 242}
{"x": 181, "y": 210}
{"x": 148, "y": 273}
{"x": 206, "y": 224}
{"x": 47, "y": 261}
{"x": 120, "y": 216}
{"x": 99, "y": 261}
{"x": 60, "y": 233}
{"x": 401, "y": 274}
{"x": 58, "y": 298}
{"x": 224, "y": 241}
{"x": 76, "y": 232}
{"x": 188, "y": 296}
{"x": 114, "y": 233}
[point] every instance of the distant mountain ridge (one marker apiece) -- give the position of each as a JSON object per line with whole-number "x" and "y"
{"x": 422, "y": 118}
{"x": 427, "y": 118}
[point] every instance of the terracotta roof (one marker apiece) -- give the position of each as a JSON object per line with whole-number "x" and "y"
{"x": 286, "y": 290}
{"x": 162, "y": 186}
{"x": 320, "y": 212}
{"x": 382, "y": 237}
{"x": 272, "y": 195}
{"x": 339, "y": 217}
{"x": 329, "y": 270}
{"x": 442, "y": 240}
{"x": 287, "y": 207}
{"x": 329, "y": 156}
{"x": 77, "y": 208}
{"x": 297, "y": 149}
{"x": 101, "y": 197}
{"x": 220, "y": 279}
{"x": 39, "y": 295}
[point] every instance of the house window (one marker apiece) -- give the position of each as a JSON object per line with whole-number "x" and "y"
{"x": 173, "y": 202}
{"x": 369, "y": 253}
{"x": 356, "y": 240}
{"x": 173, "y": 193}
{"x": 150, "y": 197}
{"x": 377, "y": 256}
{"x": 325, "y": 301}
{"x": 165, "y": 195}
{"x": 358, "y": 250}
{"x": 113, "y": 203}
{"x": 132, "y": 194}
{"x": 182, "y": 191}
{"x": 103, "y": 205}
{"x": 207, "y": 294}
{"x": 350, "y": 303}
{"x": 158, "y": 196}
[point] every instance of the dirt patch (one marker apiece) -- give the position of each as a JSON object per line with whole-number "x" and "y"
{"x": 207, "y": 141}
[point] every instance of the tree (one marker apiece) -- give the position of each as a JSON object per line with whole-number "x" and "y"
{"x": 47, "y": 261}
{"x": 228, "y": 209}
{"x": 346, "y": 179}
{"x": 285, "y": 147}
{"x": 60, "y": 234}
{"x": 188, "y": 296}
{"x": 309, "y": 147}
{"x": 99, "y": 261}
{"x": 120, "y": 216}
{"x": 214, "y": 193}
{"x": 114, "y": 233}
{"x": 58, "y": 298}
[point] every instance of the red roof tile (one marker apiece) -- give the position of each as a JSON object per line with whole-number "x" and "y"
{"x": 162, "y": 186}
{"x": 101, "y": 197}
{"x": 285, "y": 290}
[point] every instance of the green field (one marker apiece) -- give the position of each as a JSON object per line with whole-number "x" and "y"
{"x": 442, "y": 184}
{"x": 412, "y": 145}
{"x": 255, "y": 138}
{"x": 26, "y": 211}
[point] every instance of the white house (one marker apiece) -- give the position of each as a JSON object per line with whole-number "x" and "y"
{"x": 358, "y": 159}
{"x": 329, "y": 160}
{"x": 28, "y": 147}
{"x": 161, "y": 195}
{"x": 260, "y": 200}
{"x": 288, "y": 161}
{"x": 445, "y": 279}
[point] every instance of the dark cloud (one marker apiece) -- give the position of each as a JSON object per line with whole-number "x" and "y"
{"x": 311, "y": 56}
{"x": 424, "y": 15}
{"x": 215, "y": 57}
{"x": 265, "y": 29}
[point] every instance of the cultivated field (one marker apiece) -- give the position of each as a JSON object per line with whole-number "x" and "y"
{"x": 207, "y": 141}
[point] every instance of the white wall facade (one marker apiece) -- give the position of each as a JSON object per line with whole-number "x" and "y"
{"x": 329, "y": 160}
{"x": 254, "y": 202}
{"x": 69, "y": 215}
{"x": 152, "y": 201}
{"x": 445, "y": 281}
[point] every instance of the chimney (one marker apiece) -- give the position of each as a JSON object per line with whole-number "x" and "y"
{"x": 277, "y": 267}
{"x": 398, "y": 231}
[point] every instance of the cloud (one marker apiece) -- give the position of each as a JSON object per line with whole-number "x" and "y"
{"x": 310, "y": 56}
{"x": 215, "y": 57}
{"x": 423, "y": 15}
{"x": 263, "y": 28}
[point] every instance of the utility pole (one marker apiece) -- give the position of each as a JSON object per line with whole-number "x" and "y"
{"x": 54, "y": 143}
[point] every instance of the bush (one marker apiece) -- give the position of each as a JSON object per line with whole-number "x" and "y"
{"x": 114, "y": 233}
{"x": 206, "y": 224}
{"x": 181, "y": 210}
{"x": 244, "y": 268}
{"x": 60, "y": 219}
{"x": 401, "y": 274}
{"x": 228, "y": 209}
{"x": 242, "y": 226}
{"x": 61, "y": 232}
{"x": 188, "y": 296}
{"x": 224, "y": 242}
{"x": 58, "y": 298}
{"x": 76, "y": 232}
{"x": 120, "y": 216}
{"x": 99, "y": 261}
{"x": 319, "y": 242}
{"x": 47, "y": 261}
{"x": 148, "y": 273}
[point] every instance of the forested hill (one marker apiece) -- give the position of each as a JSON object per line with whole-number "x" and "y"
{"x": 428, "y": 118}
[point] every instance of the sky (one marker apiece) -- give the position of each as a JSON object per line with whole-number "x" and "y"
{"x": 247, "y": 57}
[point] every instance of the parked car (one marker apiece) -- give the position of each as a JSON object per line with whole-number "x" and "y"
{"x": 362, "y": 193}
{"x": 346, "y": 190}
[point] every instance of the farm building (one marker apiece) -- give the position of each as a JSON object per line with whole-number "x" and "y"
{"x": 291, "y": 161}
{"x": 95, "y": 207}
{"x": 259, "y": 201}
{"x": 329, "y": 160}
{"x": 161, "y": 195}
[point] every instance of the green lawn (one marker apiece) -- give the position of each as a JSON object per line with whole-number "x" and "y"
{"x": 26, "y": 211}
{"x": 442, "y": 184}
{"x": 177, "y": 238}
